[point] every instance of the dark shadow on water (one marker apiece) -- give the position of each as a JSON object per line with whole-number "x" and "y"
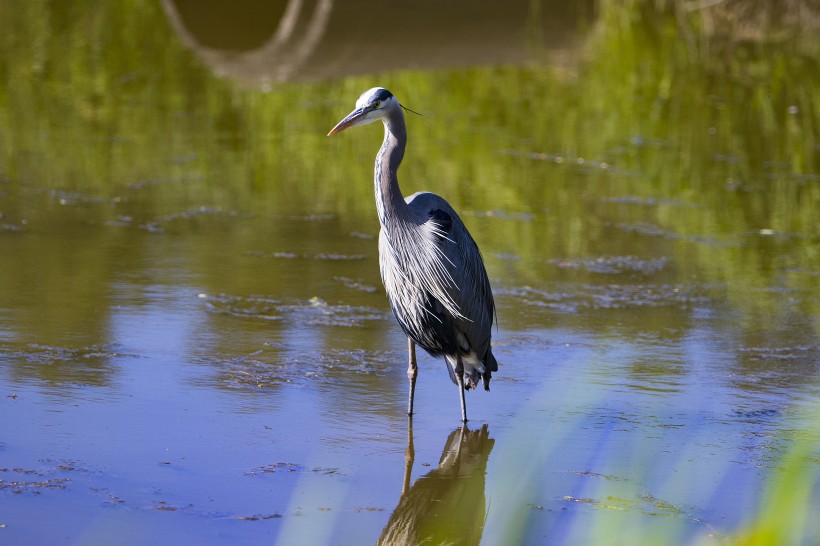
{"x": 252, "y": 41}
{"x": 446, "y": 505}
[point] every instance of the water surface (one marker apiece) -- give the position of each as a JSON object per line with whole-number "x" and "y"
{"x": 194, "y": 340}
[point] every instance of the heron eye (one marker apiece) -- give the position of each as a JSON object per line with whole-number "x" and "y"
{"x": 377, "y": 104}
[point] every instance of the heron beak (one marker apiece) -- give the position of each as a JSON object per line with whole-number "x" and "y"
{"x": 353, "y": 118}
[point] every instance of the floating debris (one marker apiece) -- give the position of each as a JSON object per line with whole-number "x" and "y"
{"x": 645, "y": 228}
{"x": 259, "y": 307}
{"x": 331, "y": 256}
{"x": 652, "y": 230}
{"x": 277, "y": 255}
{"x": 756, "y": 415}
{"x": 797, "y": 352}
{"x": 140, "y": 184}
{"x": 258, "y": 517}
{"x": 152, "y": 227}
{"x": 615, "y": 264}
{"x": 121, "y": 221}
{"x": 559, "y": 159}
{"x": 164, "y": 506}
{"x": 275, "y": 467}
{"x": 201, "y": 211}
{"x": 590, "y": 474}
{"x": 18, "y": 486}
{"x": 266, "y": 368}
{"x": 355, "y": 285}
{"x": 68, "y": 198}
{"x": 646, "y": 504}
{"x": 48, "y": 479}
{"x": 313, "y": 312}
{"x": 306, "y": 217}
{"x": 289, "y": 468}
{"x": 609, "y": 296}
{"x": 502, "y": 214}
{"x": 47, "y": 354}
{"x": 647, "y": 201}
{"x": 339, "y": 257}
{"x": 614, "y": 296}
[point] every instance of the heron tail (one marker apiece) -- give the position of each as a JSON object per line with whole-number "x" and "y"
{"x": 490, "y": 362}
{"x": 491, "y": 365}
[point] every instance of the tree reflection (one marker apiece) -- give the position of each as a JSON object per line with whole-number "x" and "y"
{"x": 447, "y": 505}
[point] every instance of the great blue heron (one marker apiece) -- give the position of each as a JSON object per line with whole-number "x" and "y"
{"x": 430, "y": 266}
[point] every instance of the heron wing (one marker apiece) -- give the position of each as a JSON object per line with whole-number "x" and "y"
{"x": 460, "y": 272}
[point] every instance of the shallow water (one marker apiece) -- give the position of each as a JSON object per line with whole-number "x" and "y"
{"x": 194, "y": 340}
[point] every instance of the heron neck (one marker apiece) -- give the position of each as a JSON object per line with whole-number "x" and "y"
{"x": 390, "y": 203}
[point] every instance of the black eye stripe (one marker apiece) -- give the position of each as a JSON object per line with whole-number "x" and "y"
{"x": 382, "y": 95}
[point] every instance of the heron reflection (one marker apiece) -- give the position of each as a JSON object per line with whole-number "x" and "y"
{"x": 447, "y": 505}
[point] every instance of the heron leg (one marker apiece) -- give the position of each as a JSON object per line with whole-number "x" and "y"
{"x": 460, "y": 381}
{"x": 412, "y": 373}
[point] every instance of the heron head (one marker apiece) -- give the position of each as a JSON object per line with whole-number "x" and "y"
{"x": 374, "y": 104}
